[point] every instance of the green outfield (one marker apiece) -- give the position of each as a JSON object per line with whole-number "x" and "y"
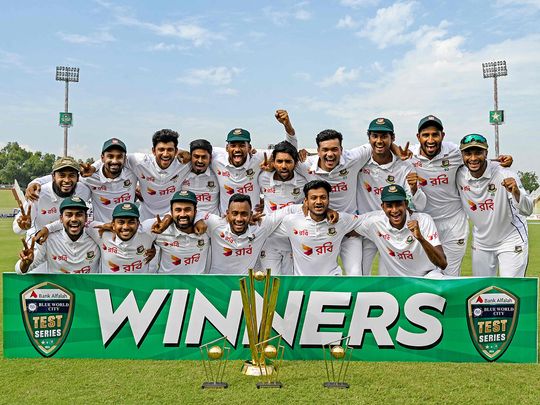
{"x": 124, "y": 381}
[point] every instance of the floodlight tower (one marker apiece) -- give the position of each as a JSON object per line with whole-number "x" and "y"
{"x": 66, "y": 74}
{"x": 496, "y": 117}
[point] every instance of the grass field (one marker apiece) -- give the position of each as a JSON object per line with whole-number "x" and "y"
{"x": 122, "y": 381}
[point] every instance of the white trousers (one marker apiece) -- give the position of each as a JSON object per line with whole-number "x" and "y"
{"x": 453, "y": 234}
{"x": 511, "y": 263}
{"x": 351, "y": 256}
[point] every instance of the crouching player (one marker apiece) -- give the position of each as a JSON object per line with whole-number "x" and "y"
{"x": 69, "y": 250}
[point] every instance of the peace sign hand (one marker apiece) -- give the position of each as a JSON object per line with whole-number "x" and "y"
{"x": 268, "y": 164}
{"x": 26, "y": 255}
{"x": 87, "y": 169}
{"x": 404, "y": 153}
{"x": 24, "y": 221}
{"x": 161, "y": 224}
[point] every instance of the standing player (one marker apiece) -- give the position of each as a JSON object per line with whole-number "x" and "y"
{"x": 383, "y": 168}
{"x": 181, "y": 250}
{"x": 315, "y": 241}
{"x": 70, "y": 250}
{"x": 237, "y": 168}
{"x": 201, "y": 179}
{"x": 65, "y": 183}
{"x": 497, "y": 205}
{"x": 280, "y": 187}
{"x": 436, "y": 162}
{"x": 408, "y": 243}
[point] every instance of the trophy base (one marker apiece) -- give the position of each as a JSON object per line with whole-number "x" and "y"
{"x": 214, "y": 384}
{"x": 275, "y": 384}
{"x": 332, "y": 384}
{"x": 251, "y": 369}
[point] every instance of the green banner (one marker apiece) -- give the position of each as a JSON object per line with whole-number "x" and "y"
{"x": 170, "y": 316}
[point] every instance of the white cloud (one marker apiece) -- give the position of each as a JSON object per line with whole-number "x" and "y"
{"x": 215, "y": 76}
{"x": 389, "y": 25}
{"x": 227, "y": 91}
{"x": 347, "y": 22}
{"x": 98, "y": 37}
{"x": 340, "y": 77}
{"x": 358, "y": 3}
{"x": 282, "y": 16}
{"x": 162, "y": 46}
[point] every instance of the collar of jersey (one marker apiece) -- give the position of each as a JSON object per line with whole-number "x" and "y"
{"x": 308, "y": 218}
{"x": 173, "y": 167}
{"x": 103, "y": 179}
{"x": 178, "y": 232}
{"x": 245, "y": 235}
{"x": 207, "y": 172}
{"x": 385, "y": 165}
{"x": 244, "y": 166}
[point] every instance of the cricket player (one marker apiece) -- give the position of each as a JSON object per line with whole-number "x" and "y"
{"x": 64, "y": 183}
{"x": 201, "y": 179}
{"x": 497, "y": 204}
{"x": 315, "y": 241}
{"x": 382, "y": 169}
{"x": 408, "y": 243}
{"x": 182, "y": 251}
{"x": 280, "y": 187}
{"x": 237, "y": 168}
{"x": 436, "y": 163}
{"x": 70, "y": 250}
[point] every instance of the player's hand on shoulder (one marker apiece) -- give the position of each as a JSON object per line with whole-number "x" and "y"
{"x": 183, "y": 156}
{"x": 41, "y": 236}
{"x": 332, "y": 216}
{"x": 200, "y": 227}
{"x": 149, "y": 254}
{"x": 302, "y": 155}
{"x": 106, "y": 227}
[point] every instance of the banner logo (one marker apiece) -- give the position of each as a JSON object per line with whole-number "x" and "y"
{"x": 47, "y": 311}
{"x": 493, "y": 314}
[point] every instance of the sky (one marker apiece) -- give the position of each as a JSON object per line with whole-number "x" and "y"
{"x": 203, "y": 68}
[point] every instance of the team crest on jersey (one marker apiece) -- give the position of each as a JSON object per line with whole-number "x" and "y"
{"x": 492, "y": 189}
{"x": 200, "y": 243}
{"x": 127, "y": 183}
{"x": 445, "y": 164}
{"x": 47, "y": 311}
{"x": 518, "y": 249}
{"x": 251, "y": 238}
{"x": 173, "y": 178}
{"x": 343, "y": 172}
{"x": 250, "y": 173}
{"x": 140, "y": 250}
{"x": 390, "y": 179}
{"x": 295, "y": 191}
{"x": 211, "y": 185}
{"x": 410, "y": 239}
{"x": 493, "y": 316}
{"x": 461, "y": 242}
{"x": 263, "y": 254}
{"x": 90, "y": 255}
{"x": 331, "y": 231}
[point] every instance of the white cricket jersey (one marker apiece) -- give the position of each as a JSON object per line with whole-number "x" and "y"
{"x": 63, "y": 255}
{"x": 47, "y": 208}
{"x": 316, "y": 245}
{"x": 242, "y": 179}
{"x": 498, "y": 219}
{"x": 108, "y": 193}
{"x": 235, "y": 254}
{"x": 373, "y": 177}
{"x": 206, "y": 188}
{"x": 400, "y": 252}
{"x": 344, "y": 177}
{"x": 437, "y": 179}
{"x": 118, "y": 256}
{"x": 157, "y": 185}
{"x": 180, "y": 252}
{"x": 279, "y": 194}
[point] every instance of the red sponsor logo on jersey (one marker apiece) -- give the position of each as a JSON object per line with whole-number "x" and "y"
{"x": 85, "y": 269}
{"x": 422, "y": 181}
{"x": 149, "y": 178}
{"x": 308, "y": 250}
{"x": 301, "y": 232}
{"x": 341, "y": 186}
{"x": 417, "y": 164}
{"x": 229, "y": 190}
{"x": 366, "y": 171}
{"x": 113, "y": 266}
{"x": 391, "y": 252}
{"x": 437, "y": 181}
{"x": 223, "y": 173}
{"x": 405, "y": 255}
{"x": 53, "y": 210}
{"x": 433, "y": 236}
{"x": 385, "y": 236}
{"x": 227, "y": 252}
{"x": 465, "y": 188}
{"x": 150, "y": 191}
{"x": 175, "y": 260}
{"x": 60, "y": 258}
{"x": 246, "y": 188}
{"x": 367, "y": 186}
{"x": 488, "y": 205}
{"x": 273, "y": 206}
{"x": 104, "y": 201}
{"x": 100, "y": 188}
{"x": 226, "y": 237}
{"x": 271, "y": 190}
{"x": 472, "y": 205}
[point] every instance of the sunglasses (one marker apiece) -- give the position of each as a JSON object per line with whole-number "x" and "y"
{"x": 473, "y": 138}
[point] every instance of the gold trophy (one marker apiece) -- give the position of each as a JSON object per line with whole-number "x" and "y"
{"x": 259, "y": 336}
{"x": 269, "y": 357}
{"x": 214, "y": 356}
{"x": 339, "y": 355}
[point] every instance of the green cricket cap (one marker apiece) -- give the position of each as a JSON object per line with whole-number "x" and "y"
{"x": 430, "y": 120}
{"x": 126, "y": 210}
{"x": 65, "y": 162}
{"x": 239, "y": 135}
{"x": 73, "y": 202}
{"x": 473, "y": 141}
{"x": 381, "y": 125}
{"x": 184, "y": 196}
{"x": 393, "y": 192}
{"x": 114, "y": 143}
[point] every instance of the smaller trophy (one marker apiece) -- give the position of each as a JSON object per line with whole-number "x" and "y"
{"x": 269, "y": 358}
{"x": 337, "y": 356}
{"x": 214, "y": 356}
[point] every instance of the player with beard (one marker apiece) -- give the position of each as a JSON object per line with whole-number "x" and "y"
{"x": 110, "y": 185}
{"x": 65, "y": 183}
{"x": 382, "y": 169}
{"x": 497, "y": 204}
{"x": 436, "y": 163}
{"x": 182, "y": 251}
{"x": 237, "y": 168}
{"x": 70, "y": 250}
{"x": 201, "y": 179}
{"x": 280, "y": 187}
